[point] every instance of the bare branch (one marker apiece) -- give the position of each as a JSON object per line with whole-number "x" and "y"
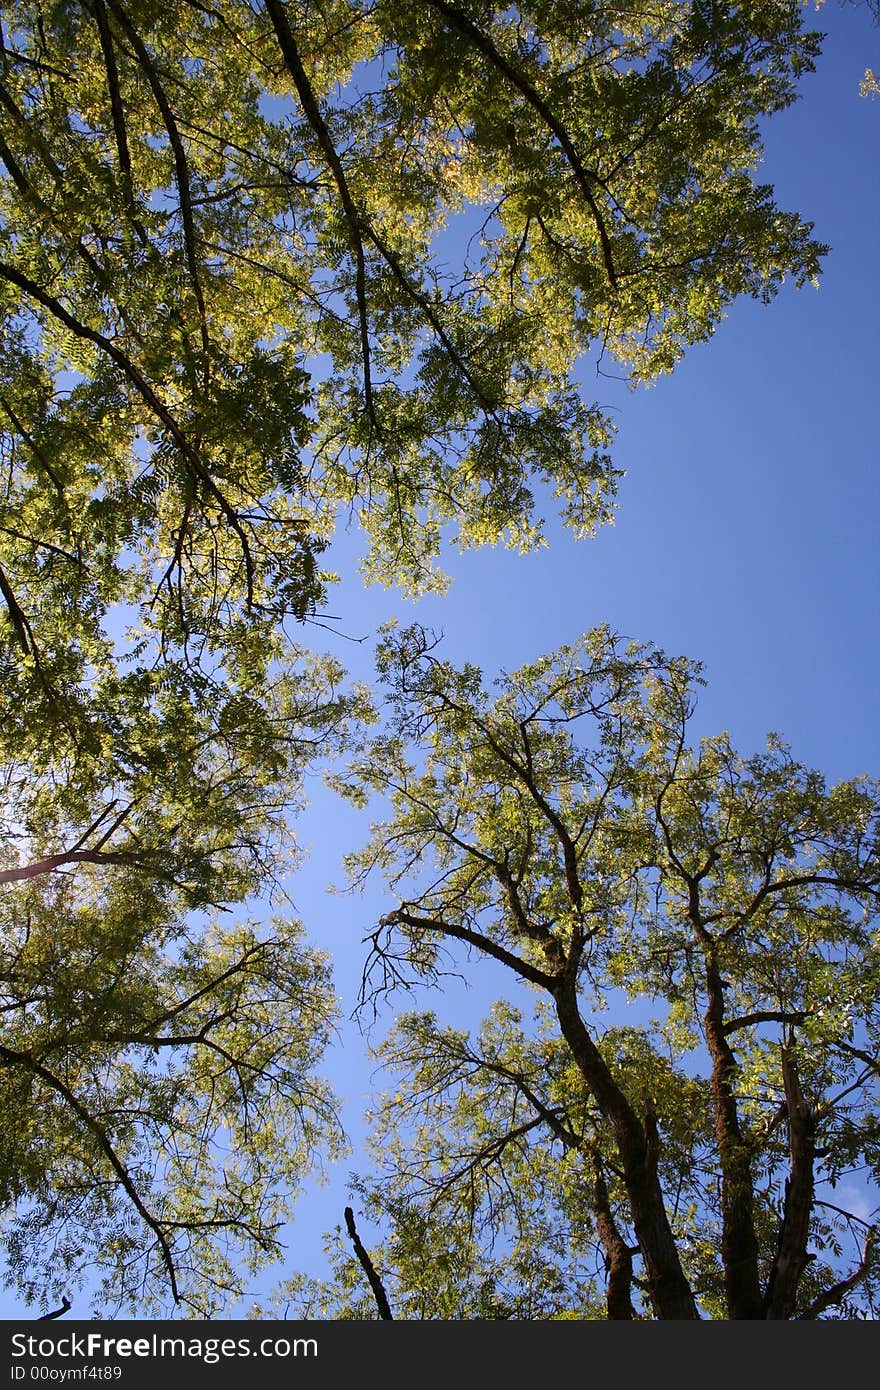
{"x": 765, "y": 1016}
{"x": 369, "y": 1268}
{"x": 473, "y": 938}
{"x": 57, "y": 1312}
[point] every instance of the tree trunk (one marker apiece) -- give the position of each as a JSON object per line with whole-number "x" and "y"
{"x": 791, "y": 1254}
{"x": 670, "y": 1292}
{"x": 618, "y": 1259}
{"x": 739, "y": 1244}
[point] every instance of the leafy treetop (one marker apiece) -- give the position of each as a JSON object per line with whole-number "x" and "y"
{"x": 262, "y": 263}
{"x": 565, "y": 829}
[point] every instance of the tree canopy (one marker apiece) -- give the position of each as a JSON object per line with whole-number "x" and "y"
{"x": 263, "y": 265}
{"x": 265, "y": 270}
{"x": 681, "y": 1160}
{"x": 160, "y": 1044}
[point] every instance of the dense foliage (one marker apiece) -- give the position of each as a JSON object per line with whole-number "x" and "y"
{"x": 694, "y": 1154}
{"x": 263, "y": 265}
{"x": 160, "y": 1042}
{"x": 265, "y": 269}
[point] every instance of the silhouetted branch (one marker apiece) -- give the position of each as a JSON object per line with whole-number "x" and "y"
{"x": 367, "y": 1266}
{"x": 56, "y": 1312}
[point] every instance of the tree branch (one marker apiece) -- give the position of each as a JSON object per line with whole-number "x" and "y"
{"x": 181, "y": 166}
{"x": 286, "y": 42}
{"x": 473, "y": 938}
{"x": 52, "y": 862}
{"x": 369, "y": 1269}
{"x": 149, "y": 397}
{"x": 57, "y": 1312}
{"x": 55, "y": 1083}
{"x": 117, "y": 110}
{"x": 618, "y": 1259}
{"x": 739, "y": 1242}
{"x": 582, "y": 175}
{"x": 840, "y": 1290}
{"x": 764, "y": 1016}
{"x": 791, "y": 1254}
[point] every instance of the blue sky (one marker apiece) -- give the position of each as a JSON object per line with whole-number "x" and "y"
{"x": 747, "y": 534}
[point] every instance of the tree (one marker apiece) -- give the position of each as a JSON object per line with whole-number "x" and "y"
{"x": 566, "y": 830}
{"x": 261, "y": 265}
{"x": 159, "y": 1088}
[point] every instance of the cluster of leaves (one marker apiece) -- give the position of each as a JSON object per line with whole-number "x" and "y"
{"x": 684, "y": 1163}
{"x": 234, "y": 299}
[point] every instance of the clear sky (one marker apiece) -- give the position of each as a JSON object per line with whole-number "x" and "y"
{"x": 747, "y": 535}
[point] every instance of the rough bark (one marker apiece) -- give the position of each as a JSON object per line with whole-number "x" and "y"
{"x": 791, "y": 1253}
{"x": 618, "y": 1258}
{"x": 669, "y": 1289}
{"x": 739, "y": 1244}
